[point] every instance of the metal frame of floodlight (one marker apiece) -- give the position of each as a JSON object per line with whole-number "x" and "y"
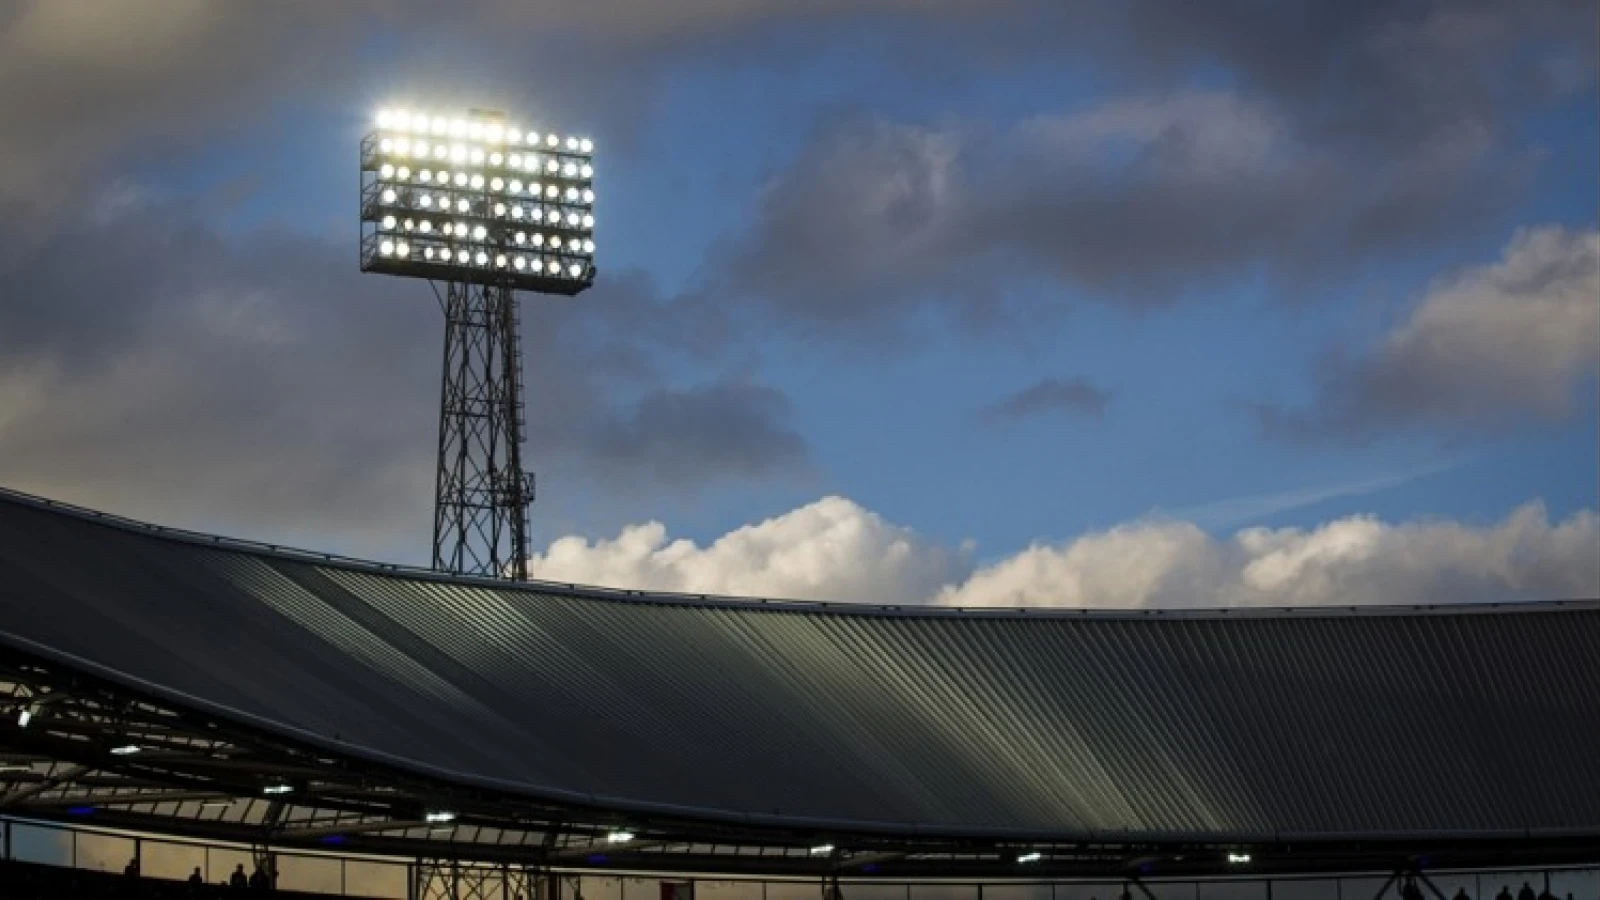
{"x": 512, "y": 238}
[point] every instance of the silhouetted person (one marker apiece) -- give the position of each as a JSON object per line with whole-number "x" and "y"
{"x": 1527, "y": 892}
{"x": 1505, "y": 893}
{"x": 259, "y": 882}
{"x": 238, "y": 880}
{"x": 1410, "y": 891}
{"x": 197, "y": 882}
{"x": 130, "y": 878}
{"x": 1461, "y": 894}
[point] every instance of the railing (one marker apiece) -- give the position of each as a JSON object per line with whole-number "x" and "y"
{"x": 108, "y": 851}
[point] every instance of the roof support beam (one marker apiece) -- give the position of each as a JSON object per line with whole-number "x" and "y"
{"x": 320, "y": 831}
{"x": 20, "y": 794}
{"x": 127, "y": 799}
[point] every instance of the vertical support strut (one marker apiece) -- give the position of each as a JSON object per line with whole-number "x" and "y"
{"x": 480, "y": 518}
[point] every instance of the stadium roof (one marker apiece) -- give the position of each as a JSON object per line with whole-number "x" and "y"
{"x": 802, "y": 721}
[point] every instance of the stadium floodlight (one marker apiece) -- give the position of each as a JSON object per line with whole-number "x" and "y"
{"x": 126, "y": 750}
{"x": 620, "y": 836}
{"x": 458, "y": 219}
{"x": 821, "y": 849}
{"x": 24, "y": 717}
{"x": 273, "y": 790}
{"x": 1032, "y": 857}
{"x": 1238, "y": 858}
{"x": 478, "y": 185}
{"x": 439, "y": 817}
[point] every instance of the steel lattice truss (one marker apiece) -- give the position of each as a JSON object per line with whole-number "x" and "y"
{"x": 480, "y": 524}
{"x": 197, "y": 775}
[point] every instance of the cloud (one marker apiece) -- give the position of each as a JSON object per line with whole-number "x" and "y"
{"x": 1140, "y": 201}
{"x": 1490, "y": 346}
{"x": 737, "y": 430}
{"x": 836, "y": 550}
{"x": 1076, "y": 396}
{"x": 830, "y": 549}
{"x": 82, "y": 82}
{"x": 260, "y": 380}
{"x": 1335, "y": 146}
{"x": 1255, "y": 507}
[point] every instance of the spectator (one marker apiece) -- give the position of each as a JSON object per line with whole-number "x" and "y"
{"x": 238, "y": 880}
{"x": 1527, "y": 892}
{"x": 1505, "y": 893}
{"x": 259, "y": 882}
{"x": 1410, "y": 891}
{"x": 197, "y": 882}
{"x": 1461, "y": 894}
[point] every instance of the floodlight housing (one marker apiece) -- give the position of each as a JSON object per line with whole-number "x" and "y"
{"x": 481, "y": 183}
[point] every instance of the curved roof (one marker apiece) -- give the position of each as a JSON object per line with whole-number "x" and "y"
{"x": 1199, "y": 726}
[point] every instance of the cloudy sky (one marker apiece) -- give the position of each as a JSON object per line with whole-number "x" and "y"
{"x": 964, "y": 301}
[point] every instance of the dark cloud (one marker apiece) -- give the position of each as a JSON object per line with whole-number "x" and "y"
{"x": 152, "y": 367}
{"x": 1338, "y": 142}
{"x": 1074, "y": 396}
{"x": 1490, "y": 347}
{"x": 81, "y": 83}
{"x": 672, "y": 436}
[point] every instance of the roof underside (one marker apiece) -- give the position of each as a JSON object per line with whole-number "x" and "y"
{"x": 1201, "y": 728}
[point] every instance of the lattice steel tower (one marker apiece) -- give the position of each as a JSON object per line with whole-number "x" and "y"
{"x": 481, "y": 209}
{"x": 482, "y": 493}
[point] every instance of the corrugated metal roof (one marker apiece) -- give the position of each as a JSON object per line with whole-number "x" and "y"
{"x": 1205, "y": 726}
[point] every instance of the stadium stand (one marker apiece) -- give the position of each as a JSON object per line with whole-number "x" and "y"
{"x": 691, "y": 723}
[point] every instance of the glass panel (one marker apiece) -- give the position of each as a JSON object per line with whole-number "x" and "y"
{"x": 871, "y": 891}
{"x": 317, "y": 875}
{"x": 596, "y": 888}
{"x": 792, "y": 890}
{"x": 1016, "y": 892}
{"x": 646, "y": 889}
{"x": 1579, "y": 884}
{"x": 1519, "y": 885}
{"x": 41, "y": 845}
{"x": 103, "y": 852}
{"x": 381, "y": 881}
{"x": 221, "y": 864}
{"x": 946, "y": 892}
{"x": 727, "y": 890}
{"x": 1451, "y": 885}
{"x": 159, "y": 859}
{"x": 1109, "y": 891}
{"x": 1364, "y": 889}
{"x": 1308, "y": 889}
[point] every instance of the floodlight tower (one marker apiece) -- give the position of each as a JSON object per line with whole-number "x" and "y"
{"x": 481, "y": 209}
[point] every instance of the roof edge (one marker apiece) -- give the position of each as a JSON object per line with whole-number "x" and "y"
{"x": 832, "y": 607}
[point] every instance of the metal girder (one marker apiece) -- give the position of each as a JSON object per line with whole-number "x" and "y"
{"x": 17, "y": 795}
{"x": 321, "y": 831}
{"x": 128, "y": 799}
{"x": 584, "y": 850}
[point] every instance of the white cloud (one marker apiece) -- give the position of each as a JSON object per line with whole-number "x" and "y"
{"x": 1516, "y": 333}
{"x": 832, "y": 549}
{"x": 1492, "y": 345}
{"x": 836, "y": 550}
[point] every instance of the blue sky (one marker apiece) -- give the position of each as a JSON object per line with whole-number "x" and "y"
{"x": 1106, "y": 196}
